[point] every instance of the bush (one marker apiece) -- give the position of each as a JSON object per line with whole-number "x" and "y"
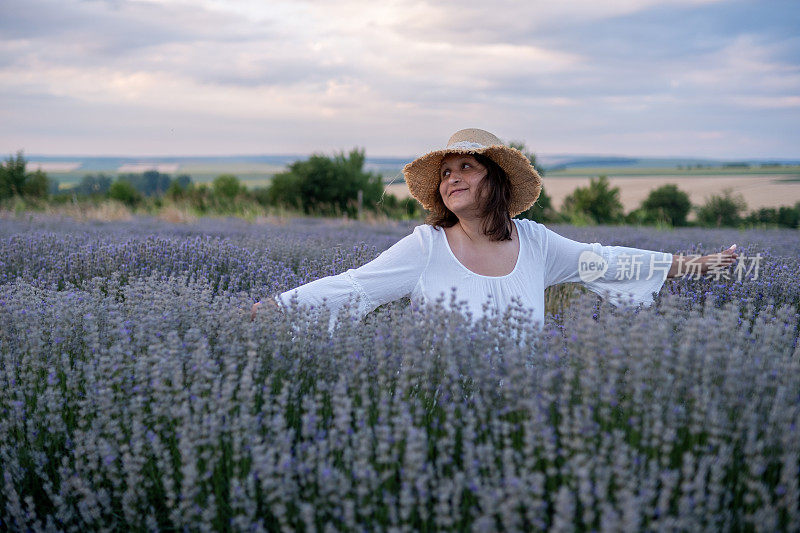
{"x": 667, "y": 204}
{"x": 327, "y": 186}
{"x": 228, "y": 187}
{"x": 123, "y": 191}
{"x": 599, "y": 202}
{"x": 722, "y": 210}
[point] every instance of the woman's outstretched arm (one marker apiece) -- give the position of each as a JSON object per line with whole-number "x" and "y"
{"x": 700, "y": 265}
{"x": 390, "y": 276}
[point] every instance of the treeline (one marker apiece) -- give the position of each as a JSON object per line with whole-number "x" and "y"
{"x": 321, "y": 185}
{"x": 339, "y": 186}
{"x": 598, "y": 203}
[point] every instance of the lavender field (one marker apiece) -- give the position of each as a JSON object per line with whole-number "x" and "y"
{"x": 136, "y": 394}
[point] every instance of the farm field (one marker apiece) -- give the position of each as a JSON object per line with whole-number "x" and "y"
{"x": 137, "y": 394}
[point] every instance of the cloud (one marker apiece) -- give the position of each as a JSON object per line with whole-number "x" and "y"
{"x": 324, "y": 74}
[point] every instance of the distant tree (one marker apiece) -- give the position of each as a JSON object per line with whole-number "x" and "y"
{"x": 599, "y": 202}
{"x": 228, "y": 187}
{"x": 12, "y": 176}
{"x": 149, "y": 183}
{"x": 183, "y": 180}
{"x": 668, "y": 204}
{"x": 789, "y": 217}
{"x": 93, "y": 184}
{"x": 155, "y": 183}
{"x": 36, "y": 185}
{"x": 285, "y": 187}
{"x": 327, "y": 185}
{"x": 16, "y": 181}
{"x": 543, "y": 210}
{"x": 763, "y": 215}
{"x": 785, "y": 216}
{"x": 519, "y": 145}
{"x": 722, "y": 210}
{"x": 123, "y": 191}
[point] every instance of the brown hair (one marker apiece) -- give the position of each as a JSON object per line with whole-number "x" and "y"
{"x": 495, "y": 211}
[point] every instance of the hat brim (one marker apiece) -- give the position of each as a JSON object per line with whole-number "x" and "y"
{"x": 422, "y": 175}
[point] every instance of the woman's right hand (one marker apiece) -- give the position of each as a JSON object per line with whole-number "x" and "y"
{"x": 270, "y": 303}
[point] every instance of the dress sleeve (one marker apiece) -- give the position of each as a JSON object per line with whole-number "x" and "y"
{"x": 390, "y": 276}
{"x": 618, "y": 272}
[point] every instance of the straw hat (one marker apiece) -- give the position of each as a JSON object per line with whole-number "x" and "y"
{"x": 422, "y": 174}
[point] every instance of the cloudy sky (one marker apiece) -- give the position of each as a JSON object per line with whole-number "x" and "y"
{"x": 708, "y": 78}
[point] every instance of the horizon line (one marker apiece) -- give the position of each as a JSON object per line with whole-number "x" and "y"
{"x": 783, "y": 159}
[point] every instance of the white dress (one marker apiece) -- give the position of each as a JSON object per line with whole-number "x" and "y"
{"x": 423, "y": 267}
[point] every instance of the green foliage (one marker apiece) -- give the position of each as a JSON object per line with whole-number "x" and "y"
{"x": 789, "y": 217}
{"x": 786, "y": 217}
{"x": 261, "y": 196}
{"x": 667, "y": 204}
{"x": 180, "y": 188}
{"x": 228, "y": 187}
{"x": 599, "y": 203}
{"x": 722, "y": 210}
{"x": 124, "y": 191}
{"x": 149, "y": 183}
{"x": 15, "y": 181}
{"x": 36, "y": 184}
{"x": 183, "y": 180}
{"x": 406, "y": 209}
{"x": 327, "y": 186}
{"x": 175, "y": 191}
{"x": 12, "y": 176}
{"x": 519, "y": 145}
{"x": 93, "y": 184}
{"x": 543, "y": 210}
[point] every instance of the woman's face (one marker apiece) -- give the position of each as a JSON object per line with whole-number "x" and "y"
{"x": 460, "y": 176}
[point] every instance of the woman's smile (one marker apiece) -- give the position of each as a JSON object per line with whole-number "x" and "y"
{"x": 460, "y": 176}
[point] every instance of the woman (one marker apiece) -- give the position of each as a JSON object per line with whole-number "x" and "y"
{"x": 471, "y": 244}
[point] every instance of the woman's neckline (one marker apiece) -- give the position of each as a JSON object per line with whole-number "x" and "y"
{"x": 516, "y": 265}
